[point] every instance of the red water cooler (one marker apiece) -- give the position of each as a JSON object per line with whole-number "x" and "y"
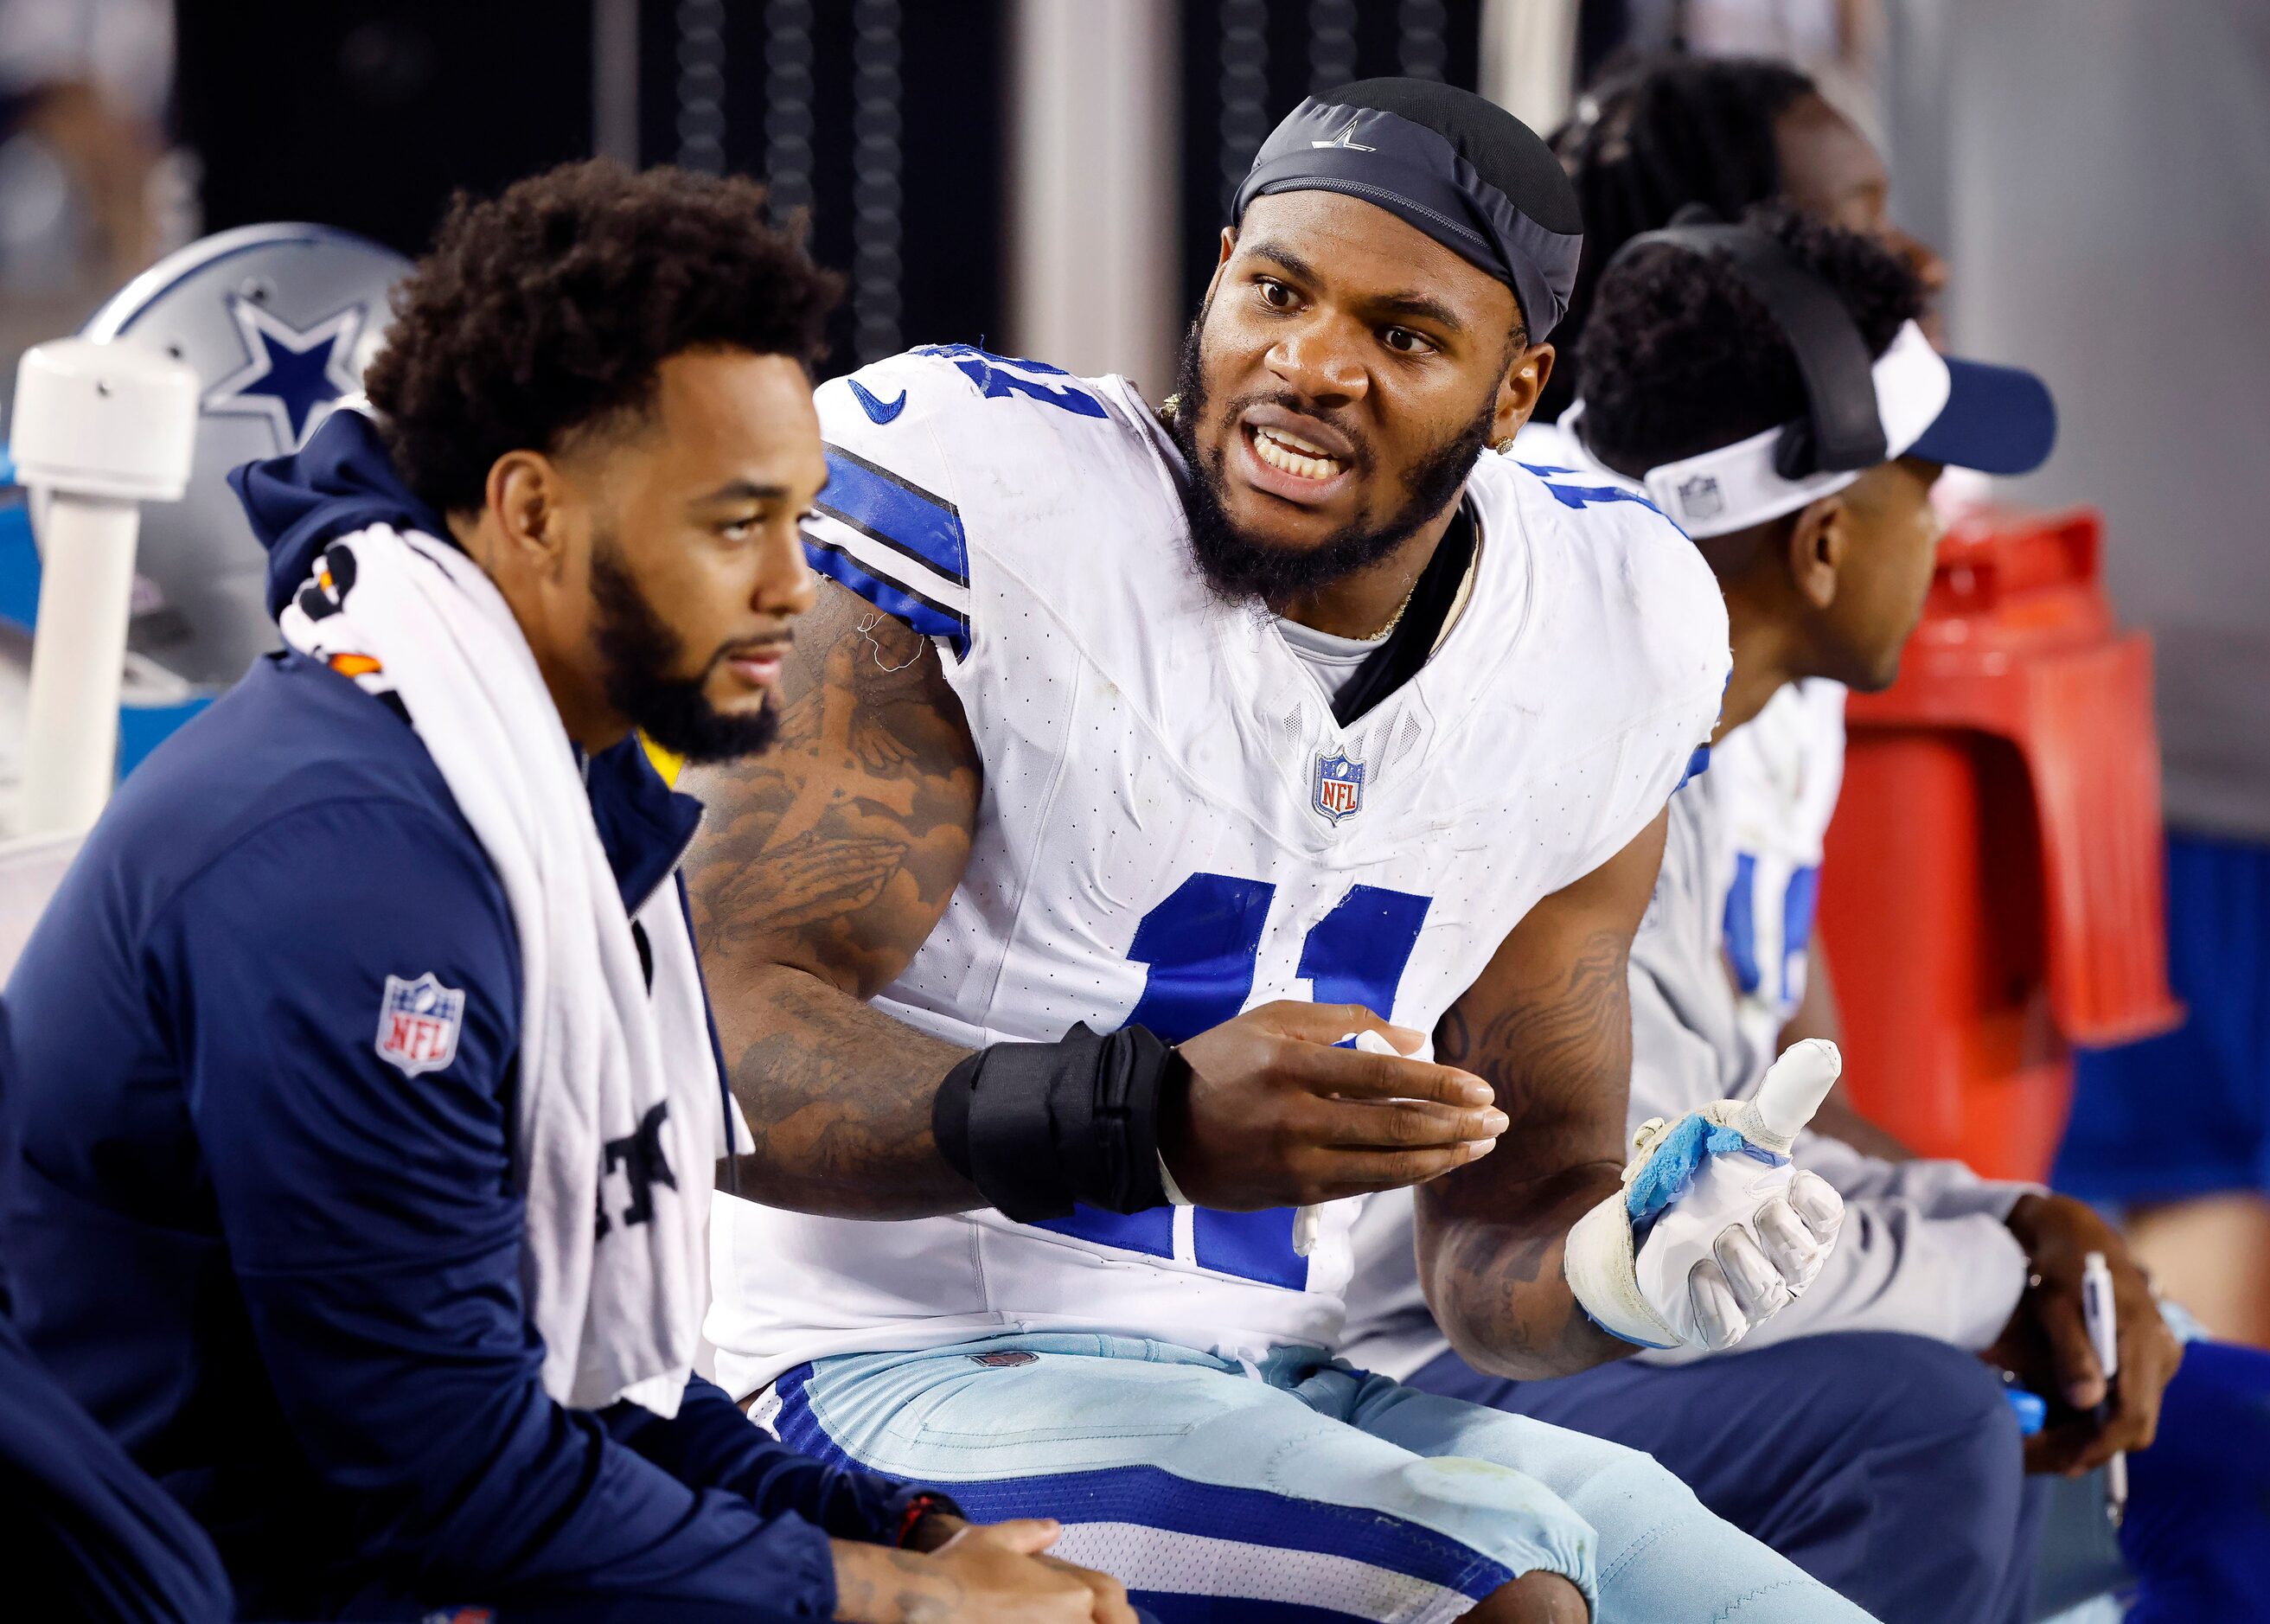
{"x": 1991, "y": 891}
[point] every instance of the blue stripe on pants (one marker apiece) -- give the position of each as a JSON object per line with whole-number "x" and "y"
{"x": 1294, "y": 1481}
{"x": 1156, "y": 1498}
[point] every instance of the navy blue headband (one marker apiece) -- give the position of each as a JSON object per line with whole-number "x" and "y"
{"x": 1416, "y": 174}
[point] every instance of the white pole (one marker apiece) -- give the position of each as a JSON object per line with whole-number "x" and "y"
{"x": 71, "y": 737}
{"x": 99, "y": 428}
{"x": 1095, "y": 170}
{"x": 1529, "y": 59}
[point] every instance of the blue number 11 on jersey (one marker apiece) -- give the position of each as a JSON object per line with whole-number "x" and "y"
{"x": 1201, "y": 946}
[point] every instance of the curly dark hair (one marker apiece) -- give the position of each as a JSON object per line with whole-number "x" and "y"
{"x": 1650, "y": 139}
{"x": 1680, "y": 357}
{"x": 553, "y": 305}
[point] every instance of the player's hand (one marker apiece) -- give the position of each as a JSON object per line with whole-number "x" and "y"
{"x": 1716, "y": 1230}
{"x": 2046, "y": 1342}
{"x": 982, "y": 1574}
{"x": 1007, "y": 1556}
{"x": 1278, "y": 1116}
{"x": 1738, "y": 1248}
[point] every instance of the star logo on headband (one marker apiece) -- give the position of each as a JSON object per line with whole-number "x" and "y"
{"x": 1346, "y": 138}
{"x": 289, "y": 377}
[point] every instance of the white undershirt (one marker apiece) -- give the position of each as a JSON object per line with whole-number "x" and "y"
{"x": 1333, "y": 661}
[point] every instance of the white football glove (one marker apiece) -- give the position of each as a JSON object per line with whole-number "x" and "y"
{"x": 1714, "y": 1230}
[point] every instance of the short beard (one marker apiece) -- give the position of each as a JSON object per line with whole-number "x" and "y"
{"x": 637, "y": 653}
{"x": 1239, "y": 565}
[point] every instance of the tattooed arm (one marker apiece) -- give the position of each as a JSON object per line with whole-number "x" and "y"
{"x": 1549, "y": 1025}
{"x": 827, "y": 860}
{"x": 824, "y": 864}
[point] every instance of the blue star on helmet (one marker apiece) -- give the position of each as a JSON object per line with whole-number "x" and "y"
{"x": 289, "y": 377}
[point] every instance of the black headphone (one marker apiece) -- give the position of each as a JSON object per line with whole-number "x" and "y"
{"x": 1842, "y": 432}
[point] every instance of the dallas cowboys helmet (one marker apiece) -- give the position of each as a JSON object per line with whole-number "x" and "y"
{"x": 279, "y": 322}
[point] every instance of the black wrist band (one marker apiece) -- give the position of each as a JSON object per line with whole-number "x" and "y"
{"x": 1040, "y": 1128}
{"x": 919, "y": 1506}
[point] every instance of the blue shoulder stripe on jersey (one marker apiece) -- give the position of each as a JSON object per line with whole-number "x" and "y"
{"x": 901, "y": 515}
{"x": 1697, "y": 764}
{"x": 970, "y": 351}
{"x": 991, "y": 375}
{"x": 1742, "y": 921}
{"x": 892, "y": 597}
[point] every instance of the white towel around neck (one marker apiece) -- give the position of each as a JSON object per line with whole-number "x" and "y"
{"x": 614, "y": 1261}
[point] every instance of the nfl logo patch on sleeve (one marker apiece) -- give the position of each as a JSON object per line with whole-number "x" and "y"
{"x": 417, "y": 1024}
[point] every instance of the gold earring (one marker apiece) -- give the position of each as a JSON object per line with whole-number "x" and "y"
{"x": 1503, "y": 446}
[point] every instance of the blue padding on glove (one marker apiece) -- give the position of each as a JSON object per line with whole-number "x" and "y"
{"x": 1609, "y": 1330}
{"x": 1670, "y": 1172}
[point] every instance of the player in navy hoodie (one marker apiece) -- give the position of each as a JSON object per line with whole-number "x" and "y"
{"x": 287, "y": 1277}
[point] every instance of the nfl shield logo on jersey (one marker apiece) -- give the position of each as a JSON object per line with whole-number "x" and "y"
{"x": 417, "y": 1024}
{"x": 1340, "y": 787}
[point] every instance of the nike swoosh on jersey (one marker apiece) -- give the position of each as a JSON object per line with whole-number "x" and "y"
{"x": 879, "y": 412}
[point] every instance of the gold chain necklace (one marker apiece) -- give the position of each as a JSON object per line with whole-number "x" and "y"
{"x": 1396, "y": 619}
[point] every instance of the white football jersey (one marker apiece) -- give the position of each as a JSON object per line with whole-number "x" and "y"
{"x": 1775, "y": 779}
{"x": 1174, "y": 827}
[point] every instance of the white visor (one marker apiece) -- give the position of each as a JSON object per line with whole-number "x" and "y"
{"x": 1732, "y": 487}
